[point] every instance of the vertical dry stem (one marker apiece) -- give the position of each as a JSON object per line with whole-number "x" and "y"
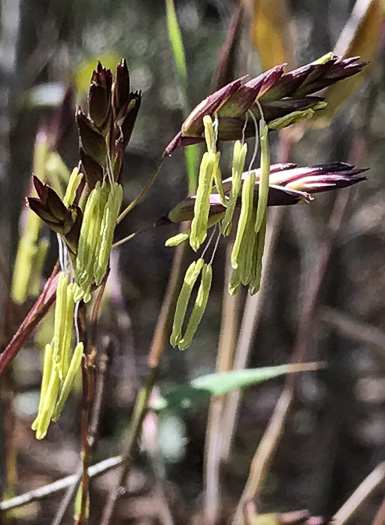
{"x": 271, "y": 438}
{"x": 225, "y": 361}
{"x": 360, "y": 495}
{"x": 86, "y": 383}
{"x": 159, "y": 342}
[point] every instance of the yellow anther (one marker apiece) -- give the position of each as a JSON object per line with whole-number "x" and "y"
{"x": 235, "y": 282}
{"x": 199, "y": 307}
{"x": 210, "y": 136}
{"x": 263, "y": 191}
{"x": 218, "y": 180}
{"x": 292, "y": 118}
{"x": 202, "y": 201}
{"x": 42, "y": 248}
{"x": 69, "y": 380}
{"x": 60, "y": 323}
{"x": 247, "y": 251}
{"x": 110, "y": 215}
{"x": 69, "y": 316}
{"x": 90, "y": 241}
{"x": 244, "y": 216}
{"x": 26, "y": 252}
{"x": 182, "y": 237}
{"x": 190, "y": 278}
{"x": 46, "y": 376}
{"x": 73, "y": 184}
{"x": 48, "y": 406}
{"x": 239, "y": 157}
{"x": 259, "y": 245}
{"x": 178, "y": 239}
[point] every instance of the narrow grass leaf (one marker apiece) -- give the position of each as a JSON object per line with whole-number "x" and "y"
{"x": 175, "y": 36}
{"x": 202, "y": 388}
{"x": 176, "y": 41}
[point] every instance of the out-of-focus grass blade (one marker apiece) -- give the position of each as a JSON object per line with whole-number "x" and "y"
{"x": 270, "y": 33}
{"x": 48, "y": 95}
{"x": 202, "y": 388}
{"x": 191, "y": 156}
{"x": 358, "y": 38}
{"x": 293, "y": 518}
{"x": 264, "y": 519}
{"x": 175, "y": 37}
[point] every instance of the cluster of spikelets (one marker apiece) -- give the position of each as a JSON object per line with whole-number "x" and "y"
{"x": 89, "y": 268}
{"x": 86, "y": 217}
{"x": 272, "y": 101}
{"x": 85, "y": 220}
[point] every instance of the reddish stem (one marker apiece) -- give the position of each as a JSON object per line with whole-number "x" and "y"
{"x": 38, "y": 311}
{"x": 86, "y": 401}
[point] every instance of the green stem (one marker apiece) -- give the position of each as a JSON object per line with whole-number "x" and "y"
{"x": 181, "y": 75}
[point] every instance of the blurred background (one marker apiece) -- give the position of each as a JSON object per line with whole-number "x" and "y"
{"x": 323, "y": 292}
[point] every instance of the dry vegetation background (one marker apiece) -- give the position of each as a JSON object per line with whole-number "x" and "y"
{"x": 335, "y": 432}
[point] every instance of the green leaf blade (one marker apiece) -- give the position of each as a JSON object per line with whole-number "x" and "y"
{"x": 202, "y": 388}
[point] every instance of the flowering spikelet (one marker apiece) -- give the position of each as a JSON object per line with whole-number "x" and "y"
{"x": 273, "y": 100}
{"x": 47, "y": 163}
{"x": 285, "y": 98}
